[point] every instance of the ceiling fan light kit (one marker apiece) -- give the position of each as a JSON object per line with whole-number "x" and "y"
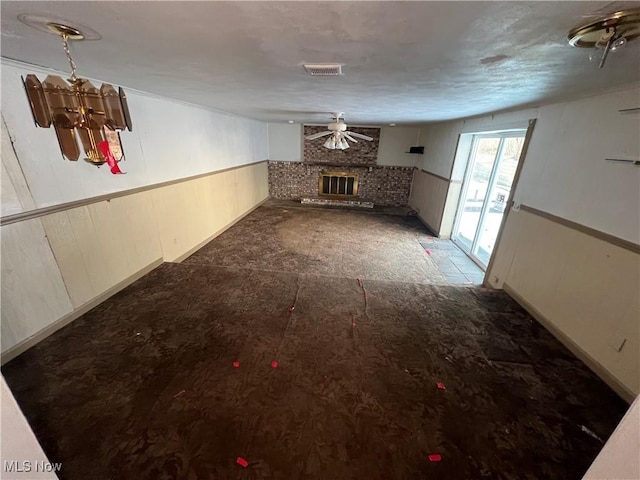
{"x": 75, "y": 107}
{"x": 338, "y": 134}
{"x": 610, "y": 32}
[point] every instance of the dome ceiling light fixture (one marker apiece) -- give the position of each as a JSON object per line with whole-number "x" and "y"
{"x": 610, "y": 32}
{"x": 75, "y": 107}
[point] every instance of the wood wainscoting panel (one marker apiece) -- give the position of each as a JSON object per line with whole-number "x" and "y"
{"x": 584, "y": 287}
{"x": 99, "y": 245}
{"x": 59, "y": 265}
{"x": 191, "y": 213}
{"x": 428, "y": 197}
{"x": 33, "y": 290}
{"x": 254, "y": 183}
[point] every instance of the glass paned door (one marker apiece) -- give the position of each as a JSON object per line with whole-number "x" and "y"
{"x": 488, "y": 180}
{"x": 483, "y": 155}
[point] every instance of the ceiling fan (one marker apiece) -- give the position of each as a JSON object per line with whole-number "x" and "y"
{"x": 339, "y": 134}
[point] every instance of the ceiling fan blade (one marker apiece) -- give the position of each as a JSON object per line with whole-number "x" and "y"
{"x": 359, "y": 135}
{"x": 349, "y": 137}
{"x": 318, "y": 135}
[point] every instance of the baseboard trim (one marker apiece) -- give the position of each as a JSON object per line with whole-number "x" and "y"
{"x": 193, "y": 250}
{"x": 591, "y": 362}
{"x": 433, "y": 230}
{"x": 50, "y": 329}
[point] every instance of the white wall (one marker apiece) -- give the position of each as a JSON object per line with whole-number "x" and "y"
{"x": 285, "y": 142}
{"x": 585, "y": 288}
{"x": 441, "y": 139}
{"x": 395, "y": 142}
{"x": 565, "y": 172}
{"x": 620, "y": 456}
{"x": 56, "y": 266}
{"x": 169, "y": 140}
{"x": 18, "y": 442}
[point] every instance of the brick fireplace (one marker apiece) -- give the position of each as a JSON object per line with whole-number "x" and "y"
{"x": 377, "y": 184}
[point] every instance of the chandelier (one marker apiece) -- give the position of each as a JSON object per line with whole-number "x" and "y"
{"x": 81, "y": 114}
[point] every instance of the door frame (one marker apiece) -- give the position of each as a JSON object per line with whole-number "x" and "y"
{"x": 510, "y": 203}
{"x": 503, "y": 134}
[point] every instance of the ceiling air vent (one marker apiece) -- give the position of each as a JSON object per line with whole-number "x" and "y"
{"x": 324, "y": 69}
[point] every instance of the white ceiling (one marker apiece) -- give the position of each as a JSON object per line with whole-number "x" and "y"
{"x": 405, "y": 62}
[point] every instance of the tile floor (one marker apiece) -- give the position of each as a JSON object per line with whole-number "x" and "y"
{"x": 454, "y": 264}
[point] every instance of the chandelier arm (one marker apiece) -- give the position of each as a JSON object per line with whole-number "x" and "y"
{"x": 65, "y": 45}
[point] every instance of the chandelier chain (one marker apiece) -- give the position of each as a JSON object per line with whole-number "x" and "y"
{"x": 65, "y": 45}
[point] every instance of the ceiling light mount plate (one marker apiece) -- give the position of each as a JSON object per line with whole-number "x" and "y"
{"x": 59, "y": 27}
{"x": 65, "y": 31}
{"x": 626, "y": 24}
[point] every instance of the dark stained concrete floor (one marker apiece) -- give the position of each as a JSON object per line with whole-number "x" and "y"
{"x": 326, "y": 242}
{"x": 448, "y": 263}
{"x": 144, "y": 386}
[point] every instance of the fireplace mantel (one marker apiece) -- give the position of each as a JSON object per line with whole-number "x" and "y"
{"x": 340, "y": 165}
{"x": 354, "y": 165}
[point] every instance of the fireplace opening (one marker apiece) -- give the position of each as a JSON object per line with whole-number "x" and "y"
{"x": 343, "y": 184}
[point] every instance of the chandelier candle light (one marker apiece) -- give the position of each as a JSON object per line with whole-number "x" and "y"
{"x": 78, "y": 107}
